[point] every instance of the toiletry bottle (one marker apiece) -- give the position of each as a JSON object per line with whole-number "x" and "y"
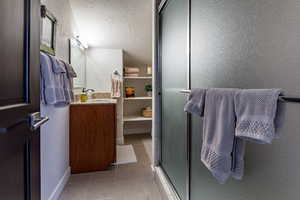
{"x": 83, "y": 96}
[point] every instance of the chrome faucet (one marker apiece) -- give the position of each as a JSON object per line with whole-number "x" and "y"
{"x": 84, "y": 90}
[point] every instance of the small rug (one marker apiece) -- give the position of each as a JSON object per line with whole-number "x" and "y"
{"x": 148, "y": 147}
{"x": 125, "y": 155}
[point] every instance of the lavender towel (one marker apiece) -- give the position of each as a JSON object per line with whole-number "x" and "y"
{"x": 68, "y": 81}
{"x": 52, "y": 81}
{"x": 56, "y": 66}
{"x": 222, "y": 152}
{"x": 196, "y": 102}
{"x": 218, "y": 134}
{"x": 259, "y": 115}
{"x": 237, "y": 162}
{"x": 70, "y": 70}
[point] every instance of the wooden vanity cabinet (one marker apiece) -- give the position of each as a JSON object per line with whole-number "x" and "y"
{"x": 92, "y": 137}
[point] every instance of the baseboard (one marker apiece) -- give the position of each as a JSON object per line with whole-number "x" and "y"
{"x": 61, "y": 185}
{"x": 166, "y": 189}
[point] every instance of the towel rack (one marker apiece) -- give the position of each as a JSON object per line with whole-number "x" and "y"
{"x": 49, "y": 54}
{"x": 281, "y": 98}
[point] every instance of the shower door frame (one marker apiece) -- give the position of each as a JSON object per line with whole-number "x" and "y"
{"x": 158, "y": 97}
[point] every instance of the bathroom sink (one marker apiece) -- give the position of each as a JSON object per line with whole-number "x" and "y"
{"x": 97, "y": 101}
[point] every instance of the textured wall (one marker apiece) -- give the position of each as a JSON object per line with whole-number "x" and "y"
{"x": 100, "y": 65}
{"x": 55, "y": 134}
{"x": 117, "y": 24}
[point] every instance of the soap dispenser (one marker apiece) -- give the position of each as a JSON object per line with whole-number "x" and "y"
{"x": 83, "y": 95}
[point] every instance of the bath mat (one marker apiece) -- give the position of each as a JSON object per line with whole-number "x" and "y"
{"x": 125, "y": 155}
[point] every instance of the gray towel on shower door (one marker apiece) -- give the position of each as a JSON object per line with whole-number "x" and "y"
{"x": 196, "y": 102}
{"x": 259, "y": 114}
{"x": 221, "y": 152}
{"x": 237, "y": 162}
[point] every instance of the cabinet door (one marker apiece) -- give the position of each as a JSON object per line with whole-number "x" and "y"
{"x": 174, "y": 65}
{"x": 92, "y": 137}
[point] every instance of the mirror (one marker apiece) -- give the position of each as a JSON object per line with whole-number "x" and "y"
{"x": 78, "y": 61}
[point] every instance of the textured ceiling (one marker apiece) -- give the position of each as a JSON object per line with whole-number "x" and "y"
{"x": 124, "y": 24}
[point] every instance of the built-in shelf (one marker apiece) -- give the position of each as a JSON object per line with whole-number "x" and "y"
{"x": 138, "y": 98}
{"x": 141, "y": 77}
{"x": 133, "y": 105}
{"x": 135, "y": 118}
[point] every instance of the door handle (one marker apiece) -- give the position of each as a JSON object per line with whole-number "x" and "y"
{"x": 36, "y": 120}
{"x": 9, "y": 126}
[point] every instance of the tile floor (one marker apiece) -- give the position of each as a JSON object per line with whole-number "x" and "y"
{"x": 124, "y": 182}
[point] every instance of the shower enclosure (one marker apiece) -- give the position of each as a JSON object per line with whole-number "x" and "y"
{"x": 227, "y": 44}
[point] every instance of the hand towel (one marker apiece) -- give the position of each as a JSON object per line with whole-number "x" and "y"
{"x": 196, "y": 101}
{"x": 52, "y": 81}
{"x": 68, "y": 81}
{"x": 56, "y": 65}
{"x": 237, "y": 156}
{"x": 70, "y": 70}
{"x": 219, "y": 152}
{"x": 131, "y": 75}
{"x": 259, "y": 116}
{"x": 116, "y": 84}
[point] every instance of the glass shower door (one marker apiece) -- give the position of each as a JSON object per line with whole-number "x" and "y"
{"x": 174, "y": 65}
{"x": 236, "y": 44}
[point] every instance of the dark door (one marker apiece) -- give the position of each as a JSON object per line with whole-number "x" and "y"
{"x": 19, "y": 98}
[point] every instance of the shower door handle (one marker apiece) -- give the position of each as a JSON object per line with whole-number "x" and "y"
{"x": 185, "y": 91}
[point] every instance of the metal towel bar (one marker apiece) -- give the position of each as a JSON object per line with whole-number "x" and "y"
{"x": 281, "y": 98}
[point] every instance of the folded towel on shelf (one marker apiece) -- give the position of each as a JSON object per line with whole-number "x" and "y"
{"x": 131, "y": 70}
{"x": 131, "y": 75}
{"x": 259, "y": 114}
{"x": 52, "y": 81}
{"x": 219, "y": 142}
{"x": 196, "y": 102}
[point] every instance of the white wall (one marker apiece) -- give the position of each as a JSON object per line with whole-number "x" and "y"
{"x": 117, "y": 24}
{"x": 55, "y": 134}
{"x": 100, "y": 65}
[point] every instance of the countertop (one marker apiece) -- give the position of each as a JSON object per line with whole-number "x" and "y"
{"x": 95, "y": 102}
